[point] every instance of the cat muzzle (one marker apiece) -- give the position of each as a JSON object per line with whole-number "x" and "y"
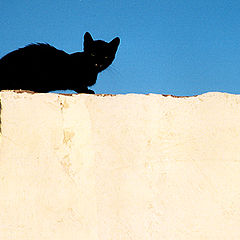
{"x": 98, "y": 65}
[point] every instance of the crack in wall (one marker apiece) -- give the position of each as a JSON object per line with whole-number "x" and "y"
{"x": 67, "y": 136}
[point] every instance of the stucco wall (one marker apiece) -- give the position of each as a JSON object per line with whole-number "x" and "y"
{"x": 124, "y": 167}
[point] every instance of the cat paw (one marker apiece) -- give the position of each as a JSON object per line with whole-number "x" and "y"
{"x": 89, "y": 91}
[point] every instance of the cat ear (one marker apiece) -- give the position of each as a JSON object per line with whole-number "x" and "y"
{"x": 114, "y": 43}
{"x": 87, "y": 37}
{"x": 87, "y": 40}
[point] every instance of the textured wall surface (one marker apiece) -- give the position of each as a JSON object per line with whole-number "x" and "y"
{"x": 124, "y": 167}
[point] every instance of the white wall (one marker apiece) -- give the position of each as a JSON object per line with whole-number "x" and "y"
{"x": 124, "y": 167}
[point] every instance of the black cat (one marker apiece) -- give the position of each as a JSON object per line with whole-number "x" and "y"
{"x": 43, "y": 68}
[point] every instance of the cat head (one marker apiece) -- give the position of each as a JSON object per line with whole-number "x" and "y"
{"x": 100, "y": 52}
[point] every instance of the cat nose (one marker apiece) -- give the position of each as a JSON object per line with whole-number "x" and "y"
{"x": 98, "y": 65}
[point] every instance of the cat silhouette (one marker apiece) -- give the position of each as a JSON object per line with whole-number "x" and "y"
{"x": 42, "y": 68}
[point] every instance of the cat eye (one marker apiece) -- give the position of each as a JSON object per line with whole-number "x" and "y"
{"x": 106, "y": 57}
{"x": 93, "y": 54}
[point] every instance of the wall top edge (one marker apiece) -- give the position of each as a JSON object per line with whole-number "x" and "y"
{"x": 114, "y": 95}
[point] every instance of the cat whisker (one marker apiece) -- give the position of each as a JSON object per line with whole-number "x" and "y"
{"x": 114, "y": 71}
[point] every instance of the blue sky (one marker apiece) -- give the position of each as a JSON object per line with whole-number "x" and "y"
{"x": 167, "y": 47}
